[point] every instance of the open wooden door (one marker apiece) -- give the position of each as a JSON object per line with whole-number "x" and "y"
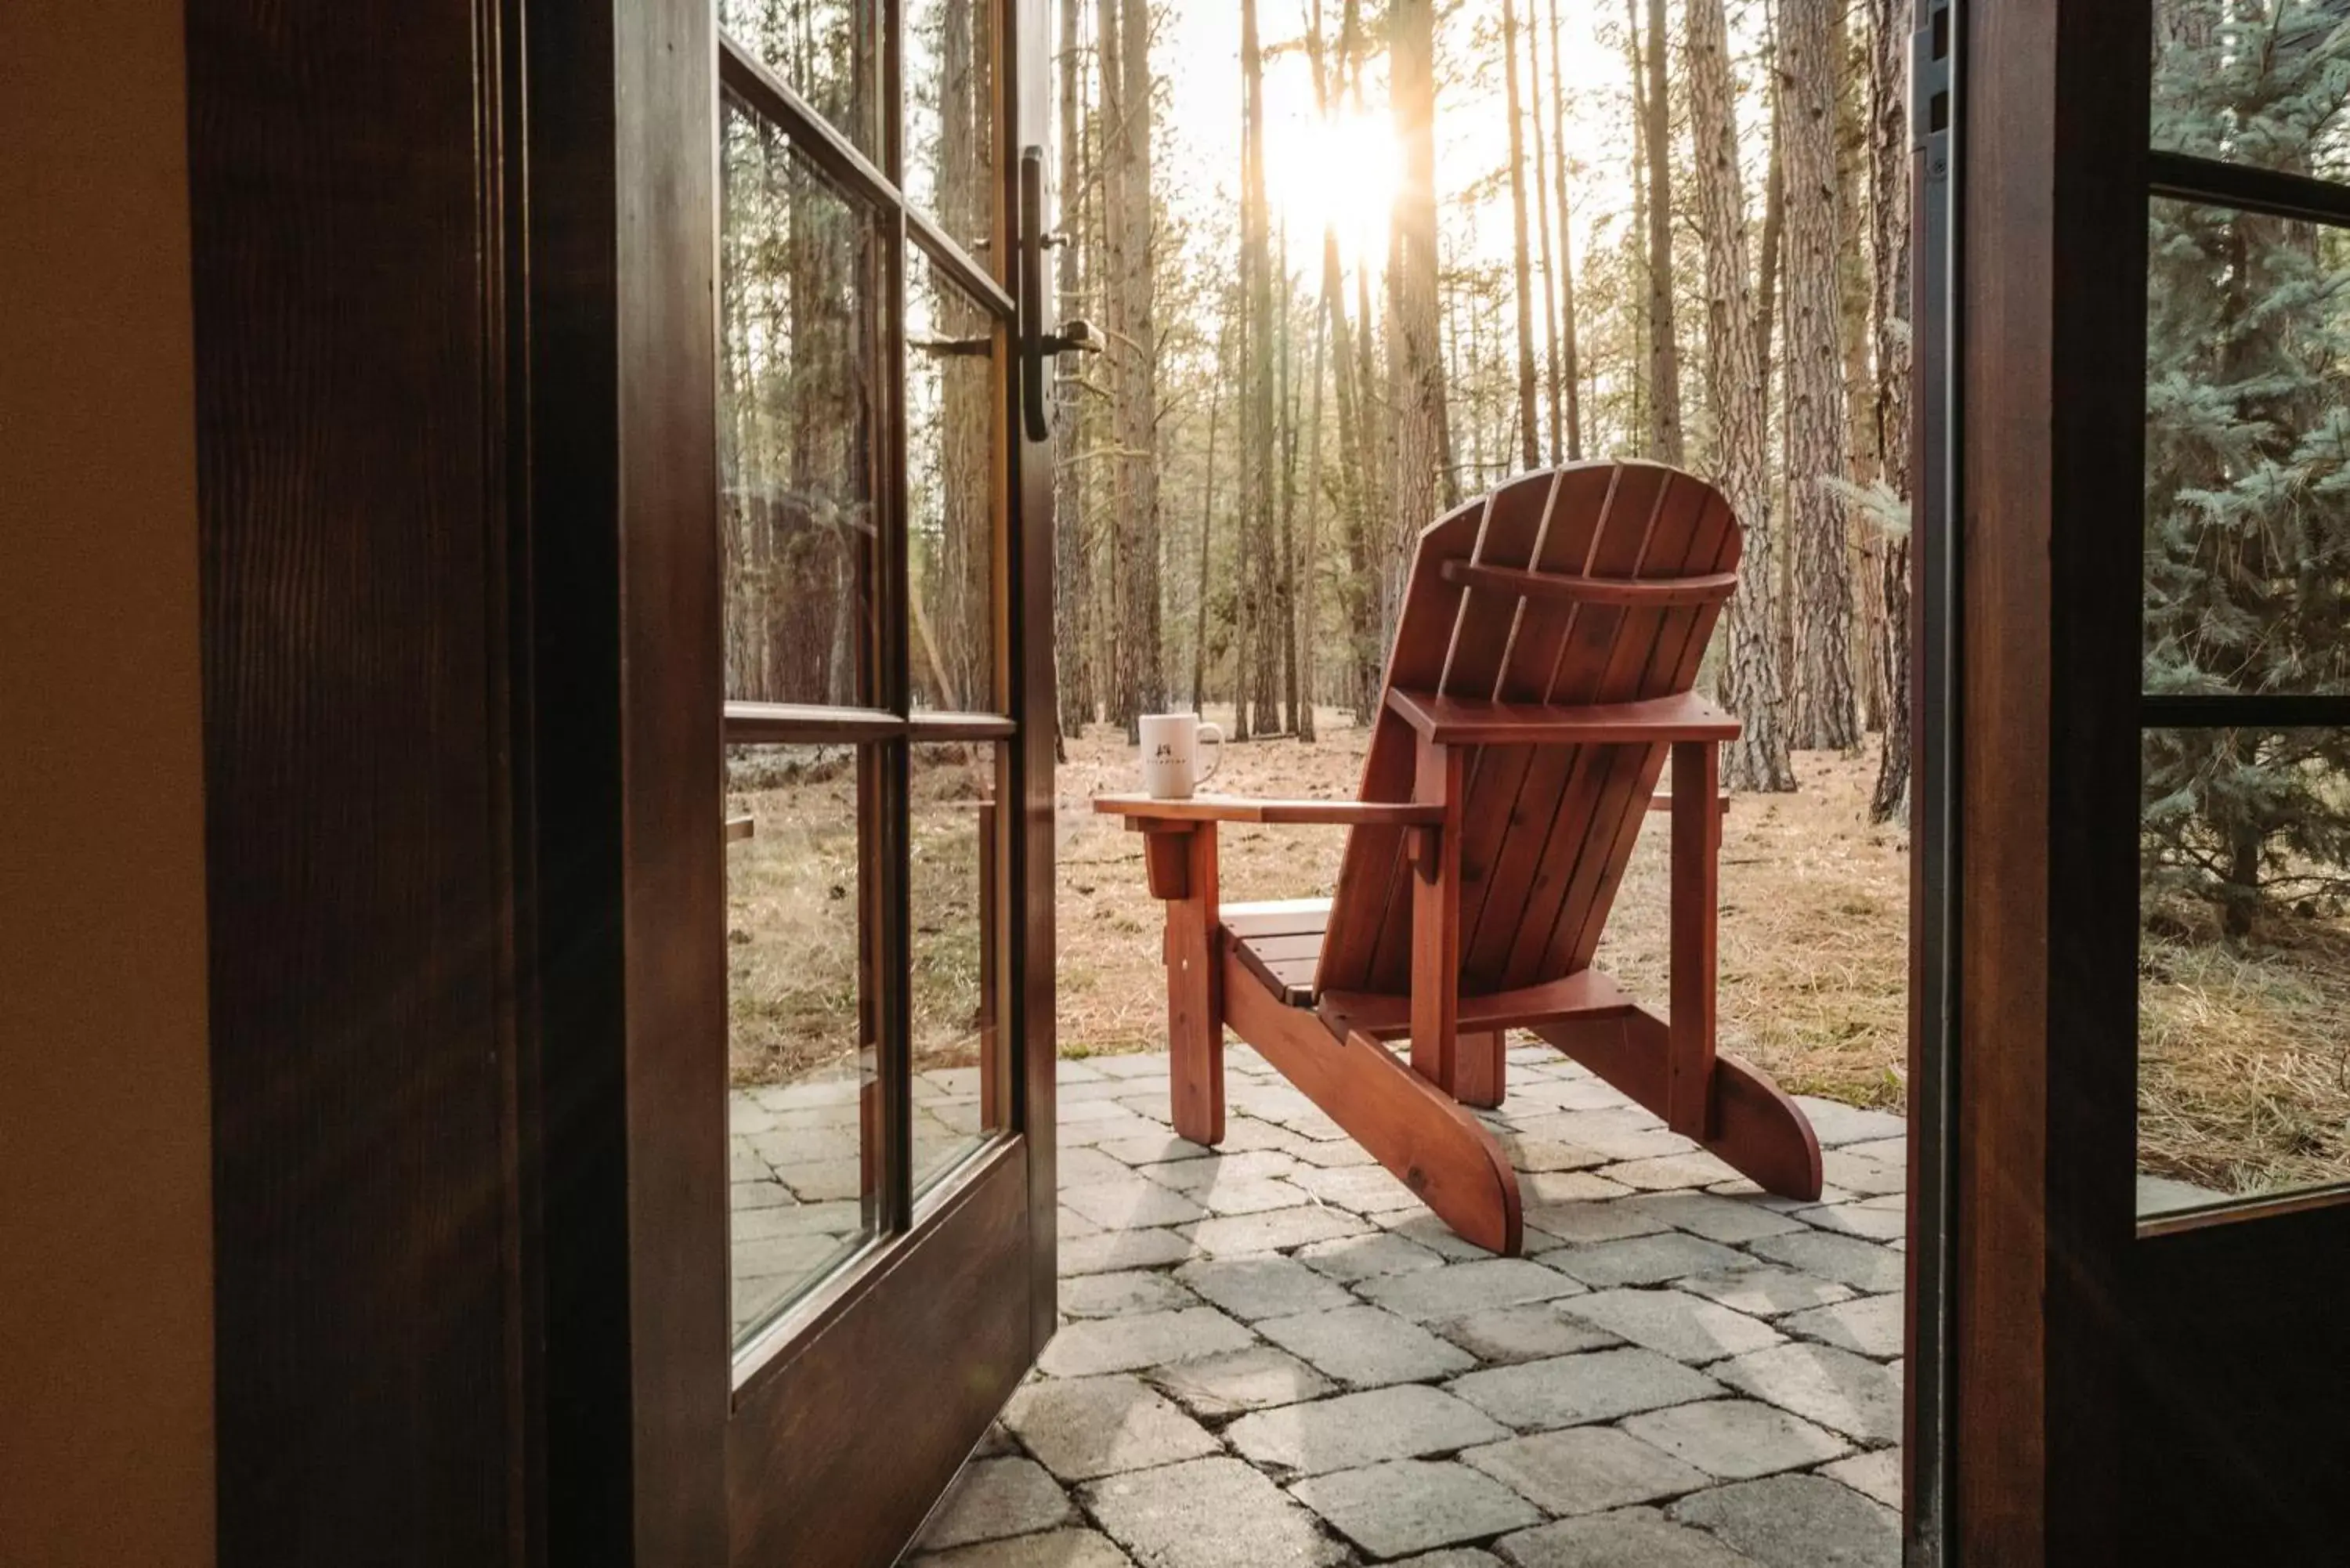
{"x": 2151, "y": 1237}
{"x": 800, "y": 1102}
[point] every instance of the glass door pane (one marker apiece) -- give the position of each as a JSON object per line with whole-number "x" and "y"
{"x": 2244, "y": 1086}
{"x": 800, "y": 422}
{"x": 950, "y": 173}
{"x": 864, "y": 379}
{"x": 804, "y": 1099}
{"x": 954, "y": 489}
{"x": 828, "y": 51}
{"x": 2256, "y": 82}
{"x": 959, "y": 1088}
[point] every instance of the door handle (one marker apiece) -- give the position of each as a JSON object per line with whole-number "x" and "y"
{"x": 1037, "y": 345}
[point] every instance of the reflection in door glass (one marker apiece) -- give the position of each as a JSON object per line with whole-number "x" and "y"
{"x": 828, "y": 51}
{"x": 2247, "y": 454}
{"x": 2262, "y": 82}
{"x": 954, "y": 395}
{"x": 950, "y": 172}
{"x": 2243, "y": 964}
{"x": 799, "y": 452}
{"x": 959, "y": 1074}
{"x": 803, "y": 1100}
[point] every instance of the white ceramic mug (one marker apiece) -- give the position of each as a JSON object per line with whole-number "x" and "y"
{"x": 1171, "y": 744}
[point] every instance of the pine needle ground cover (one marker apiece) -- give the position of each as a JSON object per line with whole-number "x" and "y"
{"x": 795, "y": 908}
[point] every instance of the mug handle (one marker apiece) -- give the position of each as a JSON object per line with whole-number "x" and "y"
{"x": 1211, "y": 736}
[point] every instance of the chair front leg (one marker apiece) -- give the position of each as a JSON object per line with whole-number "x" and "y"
{"x": 1696, "y": 904}
{"x": 1181, "y": 858}
{"x": 1436, "y": 1044}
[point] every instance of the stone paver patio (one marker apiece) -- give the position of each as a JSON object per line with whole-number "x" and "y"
{"x": 1272, "y": 1354}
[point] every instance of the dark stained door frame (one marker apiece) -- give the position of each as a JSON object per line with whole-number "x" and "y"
{"x": 2108, "y": 1393}
{"x": 1933, "y": 104}
{"x": 356, "y": 390}
{"x": 831, "y": 1440}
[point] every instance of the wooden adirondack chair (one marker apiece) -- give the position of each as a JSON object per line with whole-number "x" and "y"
{"x": 1542, "y": 672}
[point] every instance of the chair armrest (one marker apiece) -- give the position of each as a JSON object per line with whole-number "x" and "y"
{"x": 1144, "y": 811}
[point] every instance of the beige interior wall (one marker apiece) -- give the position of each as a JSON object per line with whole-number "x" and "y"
{"x": 106, "y": 1409}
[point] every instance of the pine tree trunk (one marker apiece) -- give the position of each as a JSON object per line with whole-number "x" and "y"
{"x": 1308, "y": 623}
{"x": 1890, "y": 25}
{"x": 1373, "y": 448}
{"x": 1256, "y": 507}
{"x": 1422, "y": 483}
{"x": 1542, "y": 233}
{"x": 1863, "y": 541}
{"x": 1821, "y": 703}
{"x": 1138, "y": 435}
{"x": 1750, "y": 674}
{"x": 962, "y": 649}
{"x": 1288, "y": 437}
{"x": 1768, "y": 268}
{"x": 1569, "y": 372}
{"x": 1207, "y": 532}
{"x": 1245, "y": 580}
{"x": 1125, "y": 671}
{"x": 1529, "y": 437}
{"x": 1068, "y": 496}
{"x": 1354, "y": 597}
{"x": 1374, "y": 451}
{"x": 1774, "y": 229}
{"x": 1472, "y": 405}
{"x": 1664, "y": 349}
{"x": 1641, "y": 372}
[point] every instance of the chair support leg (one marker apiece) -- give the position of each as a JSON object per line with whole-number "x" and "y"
{"x": 1696, "y": 898}
{"x": 1195, "y": 1015}
{"x": 1758, "y": 1131}
{"x": 1419, "y": 1132}
{"x": 1478, "y": 1068}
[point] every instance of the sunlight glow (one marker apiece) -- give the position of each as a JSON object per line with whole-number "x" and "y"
{"x": 1342, "y": 173}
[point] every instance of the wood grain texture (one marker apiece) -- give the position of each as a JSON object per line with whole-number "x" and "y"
{"x": 1413, "y": 1128}
{"x": 1465, "y": 729}
{"x": 1435, "y": 923}
{"x": 1602, "y": 525}
{"x": 1167, "y": 858}
{"x": 2052, "y": 194}
{"x": 1710, "y": 587}
{"x": 2234, "y": 1391}
{"x": 626, "y": 744}
{"x": 1695, "y": 897}
{"x": 1757, "y": 1131}
{"x": 1143, "y": 808}
{"x": 1195, "y": 1022}
{"x": 1029, "y": 568}
{"x": 1371, "y": 869}
{"x": 349, "y": 296}
{"x": 1608, "y": 659}
{"x": 1469, "y": 721}
{"x": 824, "y": 1460}
{"x": 1589, "y": 994}
{"x": 1623, "y": 778}
{"x": 1480, "y": 1067}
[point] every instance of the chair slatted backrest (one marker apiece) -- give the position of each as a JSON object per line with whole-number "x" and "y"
{"x": 1546, "y": 829}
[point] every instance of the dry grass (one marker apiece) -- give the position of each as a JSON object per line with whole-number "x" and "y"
{"x": 1813, "y": 929}
{"x": 2243, "y": 1068}
{"x": 794, "y": 912}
